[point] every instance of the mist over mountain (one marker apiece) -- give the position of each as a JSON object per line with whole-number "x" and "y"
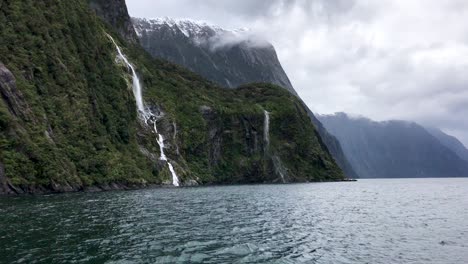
{"x": 177, "y": 141}
{"x": 227, "y": 57}
{"x": 381, "y": 59}
{"x": 393, "y": 149}
{"x": 84, "y": 107}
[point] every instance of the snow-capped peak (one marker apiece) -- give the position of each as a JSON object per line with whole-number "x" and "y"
{"x": 189, "y": 27}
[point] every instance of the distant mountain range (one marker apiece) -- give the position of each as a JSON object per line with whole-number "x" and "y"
{"x": 450, "y": 142}
{"x": 364, "y": 148}
{"x": 397, "y": 149}
{"x": 230, "y": 58}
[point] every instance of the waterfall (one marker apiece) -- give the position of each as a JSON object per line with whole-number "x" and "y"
{"x": 136, "y": 82}
{"x": 266, "y": 129}
{"x": 279, "y": 168}
{"x": 175, "y": 136}
{"x": 175, "y": 179}
{"x": 146, "y": 114}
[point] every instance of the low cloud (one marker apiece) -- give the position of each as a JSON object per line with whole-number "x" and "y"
{"x": 228, "y": 39}
{"x": 387, "y": 59}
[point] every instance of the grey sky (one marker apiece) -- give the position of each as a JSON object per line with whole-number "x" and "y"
{"x": 384, "y": 59}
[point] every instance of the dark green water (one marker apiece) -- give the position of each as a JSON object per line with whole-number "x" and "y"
{"x": 370, "y": 221}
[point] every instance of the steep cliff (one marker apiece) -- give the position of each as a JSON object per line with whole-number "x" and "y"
{"x": 334, "y": 147}
{"x": 450, "y": 142}
{"x": 393, "y": 149}
{"x": 229, "y": 58}
{"x": 69, "y": 119}
{"x": 115, "y": 13}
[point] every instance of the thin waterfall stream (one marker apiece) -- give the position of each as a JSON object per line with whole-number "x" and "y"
{"x": 266, "y": 136}
{"x": 266, "y": 128}
{"x": 145, "y": 113}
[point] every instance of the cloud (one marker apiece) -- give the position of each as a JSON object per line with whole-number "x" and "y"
{"x": 227, "y": 39}
{"x": 386, "y": 59}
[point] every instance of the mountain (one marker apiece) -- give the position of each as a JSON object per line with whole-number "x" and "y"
{"x": 393, "y": 149}
{"x": 83, "y": 106}
{"x": 229, "y": 58}
{"x": 450, "y": 142}
{"x": 115, "y": 13}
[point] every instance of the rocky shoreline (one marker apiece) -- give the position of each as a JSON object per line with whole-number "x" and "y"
{"x": 11, "y": 190}
{"x": 7, "y": 189}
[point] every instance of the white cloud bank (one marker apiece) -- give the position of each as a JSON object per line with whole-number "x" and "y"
{"x": 386, "y": 59}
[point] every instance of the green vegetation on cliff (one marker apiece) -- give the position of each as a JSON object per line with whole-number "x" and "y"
{"x": 68, "y": 117}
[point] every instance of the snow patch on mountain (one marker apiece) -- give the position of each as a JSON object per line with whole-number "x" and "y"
{"x": 201, "y": 32}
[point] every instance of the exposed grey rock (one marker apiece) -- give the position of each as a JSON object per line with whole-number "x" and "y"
{"x": 220, "y": 137}
{"x": 204, "y": 49}
{"x": 13, "y": 97}
{"x": 228, "y": 58}
{"x": 153, "y": 157}
{"x": 280, "y": 170}
{"x": 4, "y": 188}
{"x": 115, "y": 13}
{"x": 191, "y": 183}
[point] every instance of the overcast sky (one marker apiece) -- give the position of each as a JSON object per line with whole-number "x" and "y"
{"x": 383, "y": 59}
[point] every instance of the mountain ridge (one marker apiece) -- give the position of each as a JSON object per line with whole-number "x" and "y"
{"x": 241, "y": 58}
{"x": 70, "y": 122}
{"x": 171, "y": 39}
{"x": 189, "y": 27}
{"x": 393, "y": 149}
{"x": 449, "y": 141}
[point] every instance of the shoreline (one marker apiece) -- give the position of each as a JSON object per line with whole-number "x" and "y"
{"x": 9, "y": 190}
{"x": 33, "y": 190}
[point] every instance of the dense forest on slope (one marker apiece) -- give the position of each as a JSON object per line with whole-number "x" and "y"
{"x": 228, "y": 58}
{"x": 68, "y": 117}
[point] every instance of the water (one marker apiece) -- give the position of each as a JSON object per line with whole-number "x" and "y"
{"x": 370, "y": 221}
{"x": 175, "y": 179}
{"x": 279, "y": 168}
{"x": 266, "y": 128}
{"x": 137, "y": 91}
{"x": 146, "y": 115}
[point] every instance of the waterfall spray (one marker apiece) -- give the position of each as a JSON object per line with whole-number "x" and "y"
{"x": 145, "y": 114}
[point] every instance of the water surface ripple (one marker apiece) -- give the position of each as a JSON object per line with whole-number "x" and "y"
{"x": 370, "y": 221}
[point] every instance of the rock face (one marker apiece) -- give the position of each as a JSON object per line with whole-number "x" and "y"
{"x": 13, "y": 98}
{"x": 115, "y": 13}
{"x": 334, "y": 146}
{"x": 4, "y": 189}
{"x": 393, "y": 149}
{"x": 228, "y": 58}
{"x": 69, "y": 120}
{"x": 235, "y": 145}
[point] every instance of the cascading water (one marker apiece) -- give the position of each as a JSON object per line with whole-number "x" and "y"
{"x": 146, "y": 114}
{"x": 266, "y": 135}
{"x": 266, "y": 128}
{"x": 175, "y": 136}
